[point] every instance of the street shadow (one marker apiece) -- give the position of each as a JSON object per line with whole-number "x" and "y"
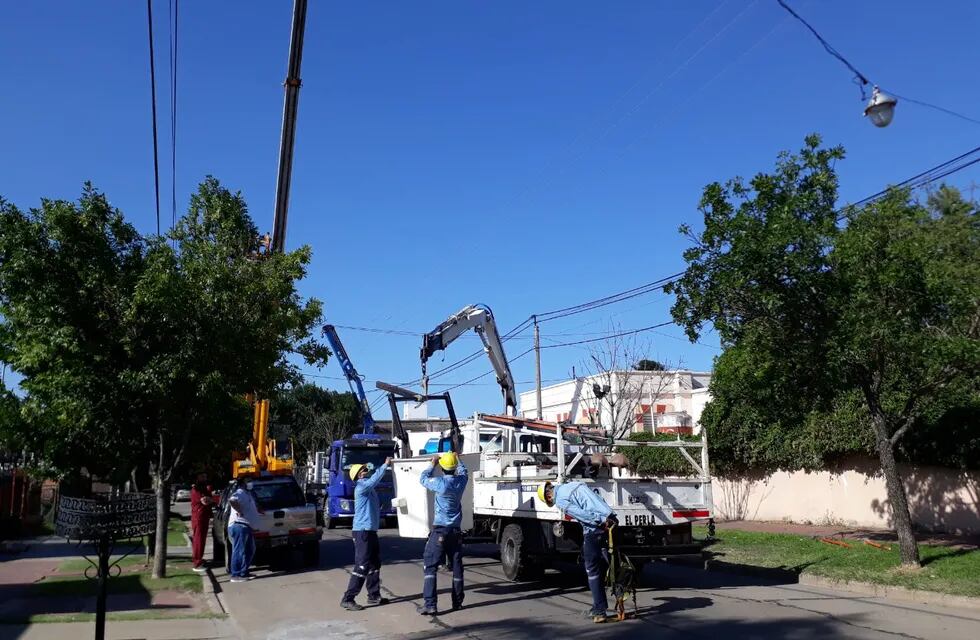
{"x": 662, "y": 625}
{"x": 665, "y": 575}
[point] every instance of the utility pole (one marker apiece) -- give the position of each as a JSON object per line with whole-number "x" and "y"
{"x": 289, "y": 109}
{"x": 537, "y": 365}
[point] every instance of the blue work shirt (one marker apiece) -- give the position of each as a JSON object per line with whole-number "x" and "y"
{"x": 367, "y": 510}
{"x": 449, "y": 495}
{"x": 577, "y": 500}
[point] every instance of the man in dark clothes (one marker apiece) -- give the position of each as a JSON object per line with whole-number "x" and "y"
{"x": 202, "y": 504}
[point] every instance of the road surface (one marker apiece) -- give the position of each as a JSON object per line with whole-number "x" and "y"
{"x": 673, "y": 602}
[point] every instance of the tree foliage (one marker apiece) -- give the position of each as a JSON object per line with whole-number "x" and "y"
{"x": 313, "y": 417}
{"x": 838, "y": 337}
{"x": 649, "y": 365}
{"x": 138, "y": 350}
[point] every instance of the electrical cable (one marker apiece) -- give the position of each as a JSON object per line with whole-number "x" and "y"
{"x": 153, "y": 104}
{"x": 174, "y": 22}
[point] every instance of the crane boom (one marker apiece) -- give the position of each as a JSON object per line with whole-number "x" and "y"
{"x": 480, "y": 319}
{"x": 353, "y": 379}
{"x": 288, "y": 139}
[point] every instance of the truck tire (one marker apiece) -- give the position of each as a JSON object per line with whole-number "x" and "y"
{"x": 217, "y": 551}
{"x": 514, "y": 559}
{"x": 329, "y": 522}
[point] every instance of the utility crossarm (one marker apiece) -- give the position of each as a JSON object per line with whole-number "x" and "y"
{"x": 480, "y": 319}
{"x": 353, "y": 379}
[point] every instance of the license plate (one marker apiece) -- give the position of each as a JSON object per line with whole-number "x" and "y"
{"x": 278, "y": 541}
{"x": 638, "y": 520}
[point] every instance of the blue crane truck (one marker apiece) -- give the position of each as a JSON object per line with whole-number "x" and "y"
{"x": 367, "y": 448}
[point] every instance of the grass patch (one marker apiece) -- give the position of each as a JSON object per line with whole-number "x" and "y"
{"x": 111, "y": 615}
{"x": 944, "y": 569}
{"x": 180, "y": 577}
{"x": 175, "y": 533}
{"x": 78, "y": 565}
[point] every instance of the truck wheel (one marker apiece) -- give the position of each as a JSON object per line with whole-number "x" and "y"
{"x": 311, "y": 554}
{"x": 329, "y": 522}
{"x": 518, "y": 567}
{"x": 217, "y": 551}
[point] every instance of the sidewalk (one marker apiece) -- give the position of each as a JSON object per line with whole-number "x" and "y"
{"x": 45, "y": 578}
{"x": 180, "y": 629}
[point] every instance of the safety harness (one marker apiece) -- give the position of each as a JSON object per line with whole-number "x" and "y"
{"x": 621, "y": 578}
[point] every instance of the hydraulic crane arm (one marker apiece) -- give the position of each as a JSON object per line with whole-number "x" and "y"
{"x": 353, "y": 379}
{"x": 480, "y": 319}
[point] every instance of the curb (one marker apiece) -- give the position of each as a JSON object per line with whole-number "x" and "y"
{"x": 892, "y": 592}
{"x": 211, "y": 590}
{"x": 889, "y": 592}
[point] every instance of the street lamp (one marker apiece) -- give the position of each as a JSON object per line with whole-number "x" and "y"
{"x": 881, "y": 108}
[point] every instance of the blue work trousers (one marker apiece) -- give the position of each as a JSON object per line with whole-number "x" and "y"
{"x": 596, "y": 564}
{"x": 367, "y": 566}
{"x": 443, "y": 542}
{"x": 242, "y": 549}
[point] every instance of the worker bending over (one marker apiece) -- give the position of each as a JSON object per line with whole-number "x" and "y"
{"x": 364, "y": 531}
{"x": 577, "y": 500}
{"x": 445, "y": 539}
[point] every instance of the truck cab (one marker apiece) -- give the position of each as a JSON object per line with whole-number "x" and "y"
{"x": 370, "y": 450}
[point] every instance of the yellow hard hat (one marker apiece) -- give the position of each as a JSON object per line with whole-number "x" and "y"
{"x": 354, "y": 470}
{"x": 448, "y": 461}
{"x": 542, "y": 493}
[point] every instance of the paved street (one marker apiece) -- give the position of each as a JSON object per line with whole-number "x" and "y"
{"x": 673, "y": 603}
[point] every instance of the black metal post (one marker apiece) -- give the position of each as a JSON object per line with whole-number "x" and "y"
{"x": 103, "y": 576}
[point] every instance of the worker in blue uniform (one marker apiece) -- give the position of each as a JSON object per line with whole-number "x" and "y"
{"x": 364, "y": 531}
{"x": 445, "y": 538}
{"x": 577, "y": 500}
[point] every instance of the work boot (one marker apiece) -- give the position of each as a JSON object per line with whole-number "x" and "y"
{"x": 457, "y": 605}
{"x": 599, "y": 618}
{"x": 378, "y": 600}
{"x": 427, "y": 611}
{"x": 350, "y": 605}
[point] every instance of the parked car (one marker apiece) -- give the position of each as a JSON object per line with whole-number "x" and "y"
{"x": 182, "y": 493}
{"x": 288, "y": 521}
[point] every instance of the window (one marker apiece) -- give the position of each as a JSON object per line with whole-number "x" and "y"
{"x": 373, "y": 457}
{"x": 277, "y": 495}
{"x": 490, "y": 442}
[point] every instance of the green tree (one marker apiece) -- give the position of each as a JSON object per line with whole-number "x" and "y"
{"x": 649, "y": 365}
{"x": 837, "y": 338}
{"x": 313, "y": 417}
{"x": 162, "y": 338}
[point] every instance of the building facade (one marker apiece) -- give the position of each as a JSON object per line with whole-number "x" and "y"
{"x": 625, "y": 401}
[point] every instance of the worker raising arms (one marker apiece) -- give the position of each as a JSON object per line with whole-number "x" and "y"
{"x": 364, "y": 531}
{"x": 575, "y": 499}
{"x": 445, "y": 539}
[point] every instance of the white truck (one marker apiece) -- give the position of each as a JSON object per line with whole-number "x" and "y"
{"x": 501, "y": 503}
{"x": 510, "y": 457}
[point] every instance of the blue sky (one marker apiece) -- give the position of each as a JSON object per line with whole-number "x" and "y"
{"x": 528, "y": 156}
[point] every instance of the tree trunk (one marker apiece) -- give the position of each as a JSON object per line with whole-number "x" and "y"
{"x": 163, "y": 515}
{"x": 901, "y": 516}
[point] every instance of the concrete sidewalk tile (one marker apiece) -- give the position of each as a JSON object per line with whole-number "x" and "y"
{"x": 180, "y": 629}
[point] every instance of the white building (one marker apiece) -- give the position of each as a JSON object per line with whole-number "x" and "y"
{"x": 652, "y": 401}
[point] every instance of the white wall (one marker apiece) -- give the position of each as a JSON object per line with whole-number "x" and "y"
{"x": 940, "y": 499}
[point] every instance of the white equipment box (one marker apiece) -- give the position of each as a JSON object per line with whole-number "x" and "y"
{"x": 416, "y": 504}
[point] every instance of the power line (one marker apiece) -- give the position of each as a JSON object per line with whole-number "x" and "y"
{"x": 174, "y": 23}
{"x": 826, "y": 45}
{"x": 863, "y": 80}
{"x": 153, "y": 104}
{"x": 938, "y": 172}
{"x": 608, "y": 300}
